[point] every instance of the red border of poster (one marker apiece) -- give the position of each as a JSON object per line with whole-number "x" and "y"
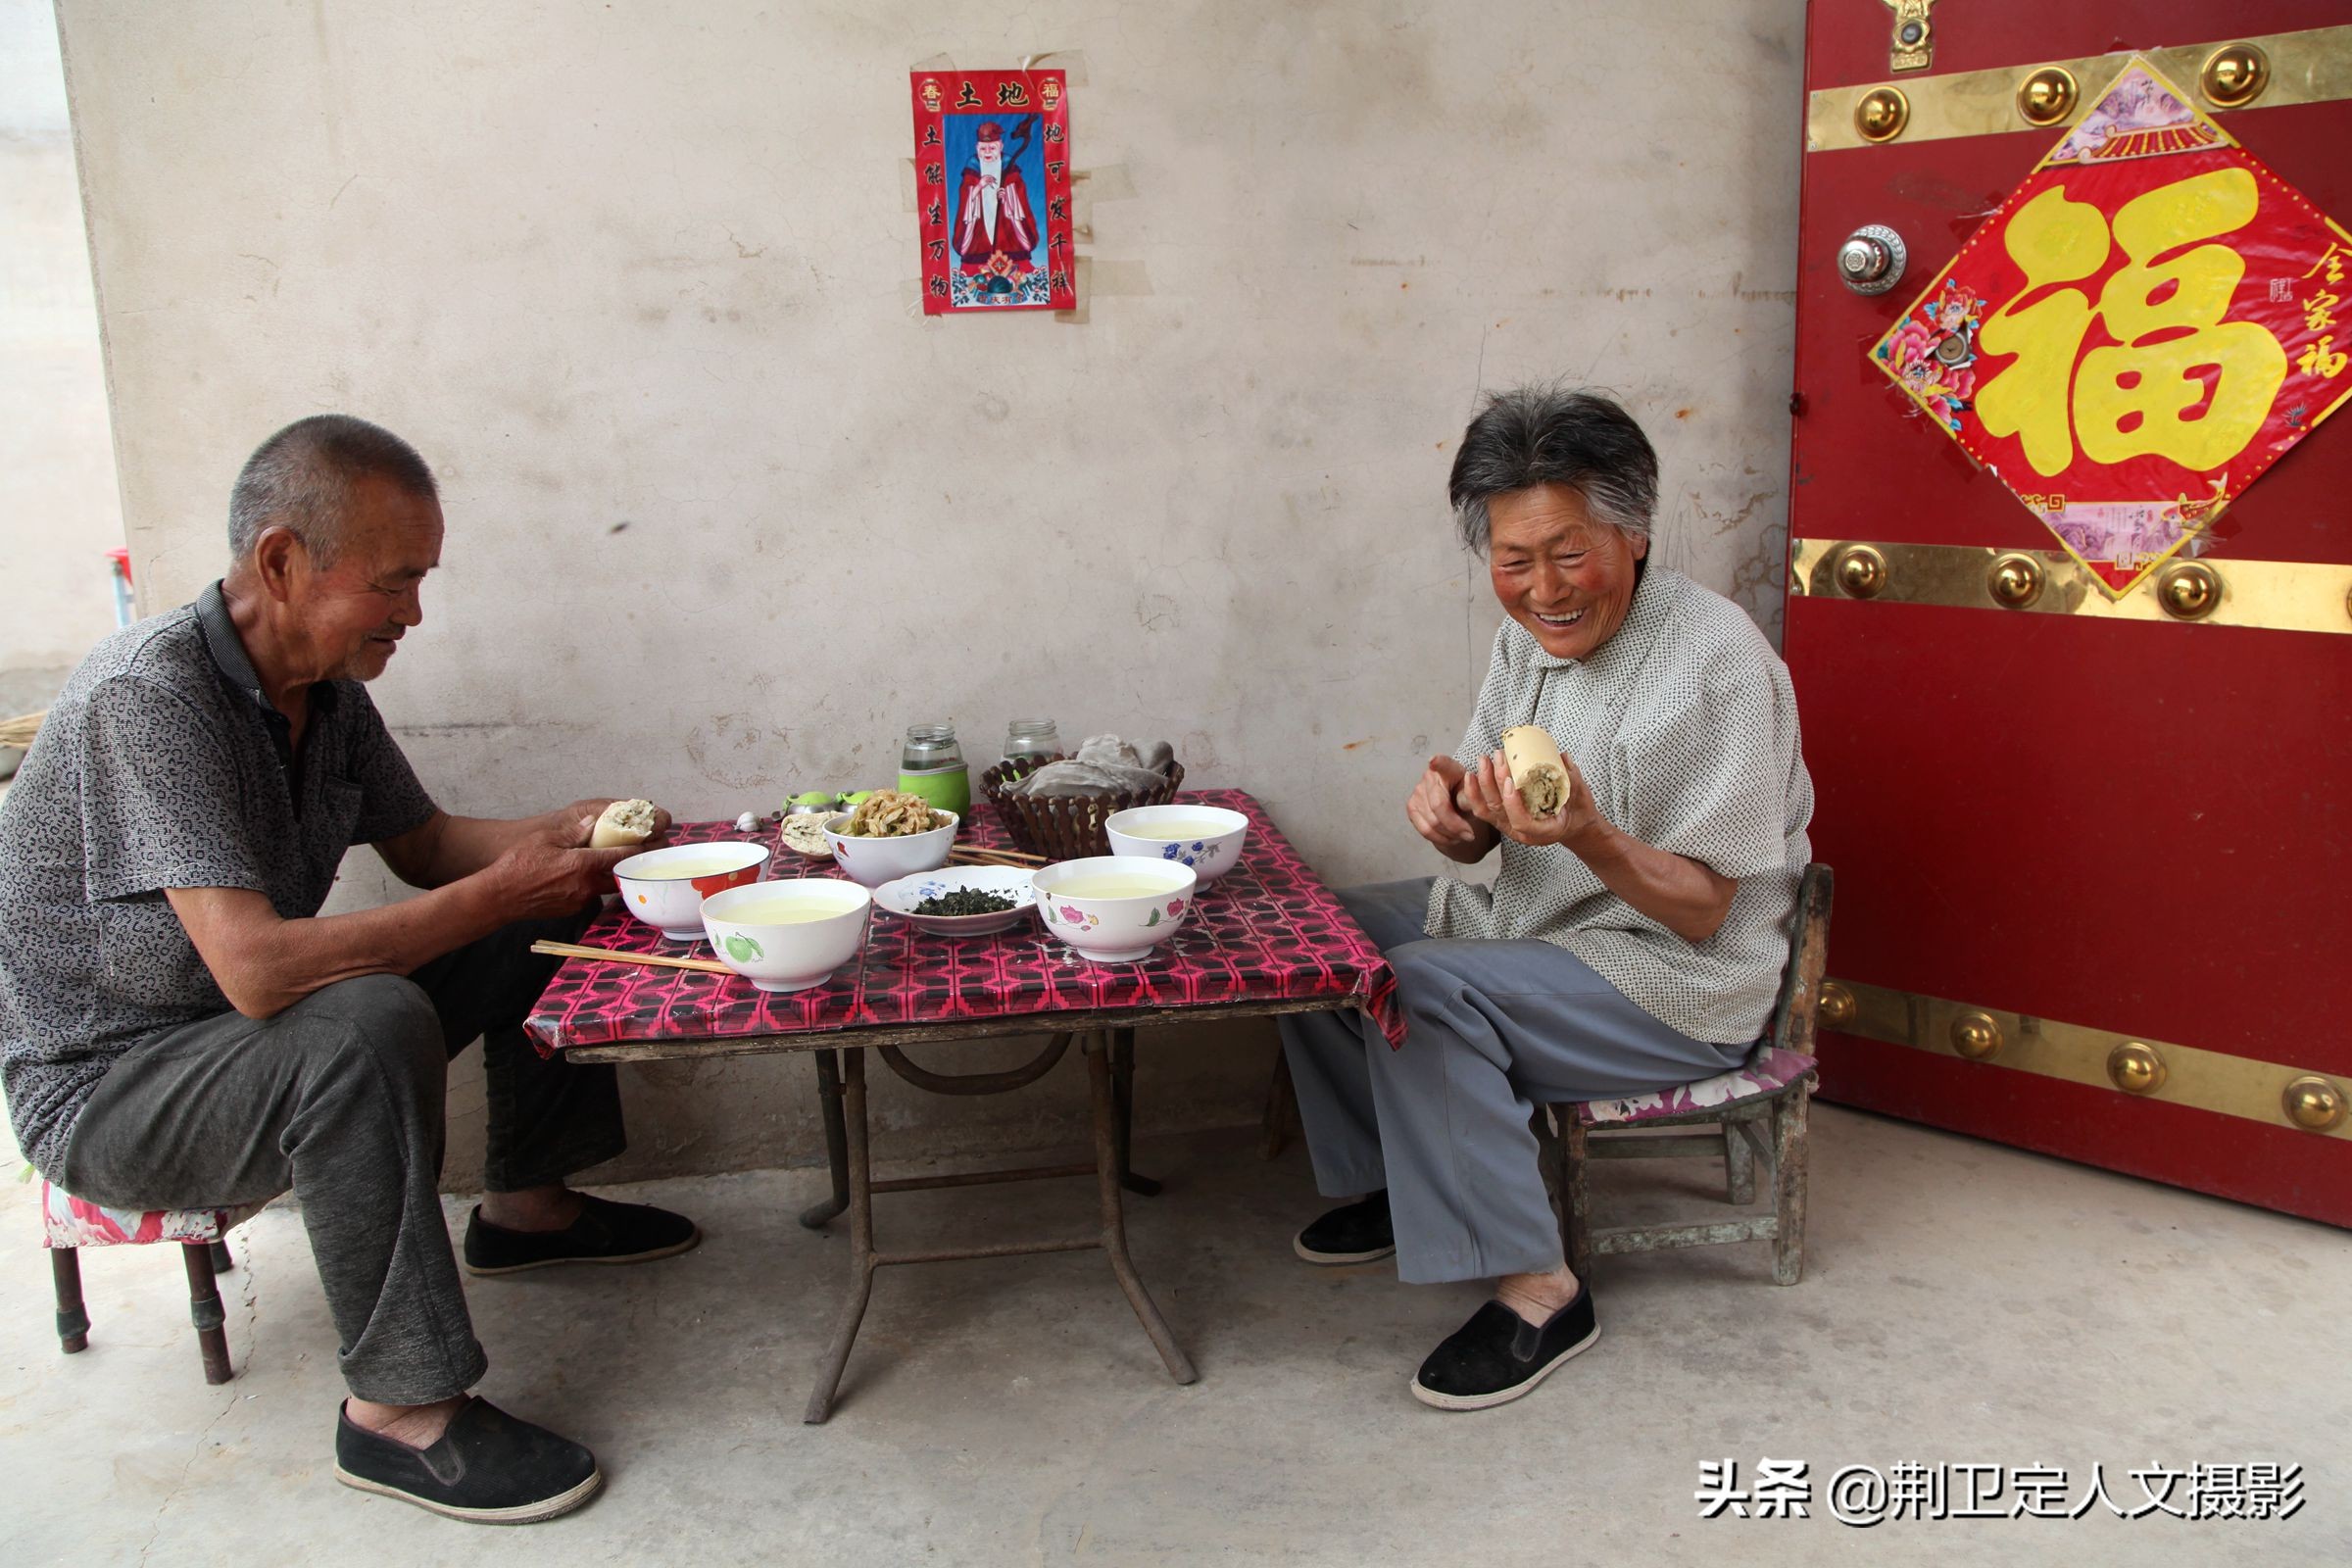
{"x": 954, "y": 285}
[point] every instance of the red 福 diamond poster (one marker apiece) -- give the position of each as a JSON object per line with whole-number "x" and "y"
{"x": 2148, "y": 324}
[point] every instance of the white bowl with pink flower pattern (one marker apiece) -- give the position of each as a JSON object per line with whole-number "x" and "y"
{"x": 1116, "y": 908}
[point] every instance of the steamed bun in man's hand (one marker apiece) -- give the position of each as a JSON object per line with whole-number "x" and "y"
{"x": 623, "y": 823}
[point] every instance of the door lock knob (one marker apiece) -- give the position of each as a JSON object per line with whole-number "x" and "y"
{"x": 1870, "y": 260}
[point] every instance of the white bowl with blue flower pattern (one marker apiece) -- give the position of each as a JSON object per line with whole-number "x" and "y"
{"x": 1207, "y": 838}
{"x": 901, "y": 897}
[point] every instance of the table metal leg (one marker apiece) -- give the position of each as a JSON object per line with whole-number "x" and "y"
{"x": 857, "y": 1178}
{"x": 817, "y": 1215}
{"x": 1109, "y": 1162}
{"x": 1122, "y": 1086}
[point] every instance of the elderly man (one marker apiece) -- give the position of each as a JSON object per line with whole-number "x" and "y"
{"x": 1632, "y": 940}
{"x": 180, "y": 1027}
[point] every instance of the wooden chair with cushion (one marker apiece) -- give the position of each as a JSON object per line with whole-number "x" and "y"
{"x": 70, "y": 1224}
{"x": 1768, "y": 1091}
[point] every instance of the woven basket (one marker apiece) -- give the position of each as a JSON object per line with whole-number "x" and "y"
{"x": 1064, "y": 827}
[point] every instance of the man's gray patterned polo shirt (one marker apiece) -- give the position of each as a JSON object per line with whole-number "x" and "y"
{"x": 164, "y": 765}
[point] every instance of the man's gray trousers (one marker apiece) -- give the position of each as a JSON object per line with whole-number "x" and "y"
{"x": 340, "y": 1098}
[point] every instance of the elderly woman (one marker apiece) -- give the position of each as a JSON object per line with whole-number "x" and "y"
{"x": 1632, "y": 940}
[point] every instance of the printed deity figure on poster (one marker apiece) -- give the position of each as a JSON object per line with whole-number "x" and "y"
{"x": 994, "y": 232}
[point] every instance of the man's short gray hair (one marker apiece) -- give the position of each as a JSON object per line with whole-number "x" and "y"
{"x": 1550, "y": 434}
{"x": 301, "y": 480}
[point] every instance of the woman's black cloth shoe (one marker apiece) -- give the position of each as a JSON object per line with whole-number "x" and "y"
{"x": 1498, "y": 1355}
{"x": 604, "y": 1233}
{"x": 1354, "y": 1232}
{"x": 488, "y": 1468}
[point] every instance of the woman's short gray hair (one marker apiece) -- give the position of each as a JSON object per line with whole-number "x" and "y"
{"x": 301, "y": 480}
{"x": 1551, "y": 435}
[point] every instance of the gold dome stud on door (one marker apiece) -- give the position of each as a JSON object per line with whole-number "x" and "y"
{"x": 2234, "y": 76}
{"x": 2313, "y": 1103}
{"x": 2136, "y": 1068}
{"x": 2048, "y": 97}
{"x": 1880, "y": 114}
{"x": 1976, "y": 1037}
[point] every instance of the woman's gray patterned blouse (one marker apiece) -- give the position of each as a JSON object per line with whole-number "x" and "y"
{"x": 163, "y": 765}
{"x": 1685, "y": 726}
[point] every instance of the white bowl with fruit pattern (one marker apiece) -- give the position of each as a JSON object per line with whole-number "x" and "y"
{"x": 1114, "y": 908}
{"x": 789, "y": 935}
{"x": 666, "y": 887}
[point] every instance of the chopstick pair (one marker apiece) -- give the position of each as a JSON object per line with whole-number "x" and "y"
{"x": 1011, "y": 858}
{"x": 659, "y": 961}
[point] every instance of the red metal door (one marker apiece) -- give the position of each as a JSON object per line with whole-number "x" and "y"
{"x": 2091, "y": 850}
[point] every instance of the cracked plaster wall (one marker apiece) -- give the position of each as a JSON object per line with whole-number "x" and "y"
{"x": 725, "y": 517}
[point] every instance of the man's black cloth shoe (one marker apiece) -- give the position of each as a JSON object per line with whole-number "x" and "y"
{"x": 1355, "y": 1233}
{"x": 488, "y": 1468}
{"x": 604, "y": 1233}
{"x": 1498, "y": 1355}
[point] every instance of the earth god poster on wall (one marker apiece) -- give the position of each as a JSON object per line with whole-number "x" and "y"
{"x": 992, "y": 162}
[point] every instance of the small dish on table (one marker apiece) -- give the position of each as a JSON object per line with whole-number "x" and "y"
{"x": 901, "y": 895}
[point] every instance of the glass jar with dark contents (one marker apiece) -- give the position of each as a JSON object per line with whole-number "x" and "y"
{"x": 1029, "y": 742}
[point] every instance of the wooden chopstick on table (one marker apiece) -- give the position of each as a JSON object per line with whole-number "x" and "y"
{"x": 1012, "y": 857}
{"x": 659, "y": 960}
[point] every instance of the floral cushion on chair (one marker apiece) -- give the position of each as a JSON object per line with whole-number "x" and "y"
{"x": 1767, "y": 1072}
{"x": 69, "y": 1221}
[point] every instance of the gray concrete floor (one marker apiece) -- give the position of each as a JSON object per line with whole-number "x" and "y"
{"x": 1963, "y": 1303}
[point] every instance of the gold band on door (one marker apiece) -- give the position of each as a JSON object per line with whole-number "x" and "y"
{"x": 2210, "y": 591}
{"x": 2313, "y": 66}
{"x": 2267, "y": 1091}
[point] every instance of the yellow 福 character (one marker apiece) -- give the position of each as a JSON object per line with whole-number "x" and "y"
{"x": 2053, "y": 239}
{"x": 2136, "y": 398}
{"x": 2179, "y": 381}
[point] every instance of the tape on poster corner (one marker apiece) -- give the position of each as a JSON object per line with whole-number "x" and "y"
{"x": 1107, "y": 280}
{"x": 941, "y": 64}
{"x": 1109, "y": 183}
{"x": 1071, "y": 63}
{"x": 1116, "y": 279}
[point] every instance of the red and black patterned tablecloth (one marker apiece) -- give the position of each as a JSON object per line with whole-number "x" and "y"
{"x": 1269, "y": 930}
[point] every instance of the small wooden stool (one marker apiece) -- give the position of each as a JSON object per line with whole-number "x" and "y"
{"x": 1772, "y": 1085}
{"x": 70, "y": 1224}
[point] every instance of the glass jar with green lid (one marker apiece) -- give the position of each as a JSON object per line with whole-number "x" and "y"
{"x": 932, "y": 767}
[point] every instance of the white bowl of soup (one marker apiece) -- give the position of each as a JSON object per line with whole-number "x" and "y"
{"x": 666, "y": 887}
{"x": 1207, "y": 838}
{"x": 790, "y": 935}
{"x": 872, "y": 861}
{"x": 1114, "y": 908}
